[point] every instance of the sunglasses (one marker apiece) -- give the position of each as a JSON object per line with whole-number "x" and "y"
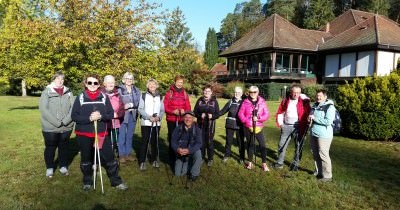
{"x": 92, "y": 83}
{"x": 253, "y": 92}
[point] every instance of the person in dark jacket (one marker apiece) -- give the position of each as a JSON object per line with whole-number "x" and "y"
{"x": 55, "y": 109}
{"x": 207, "y": 111}
{"x": 186, "y": 142}
{"x": 176, "y": 103}
{"x": 89, "y": 106}
{"x": 130, "y": 96}
{"x": 233, "y": 125}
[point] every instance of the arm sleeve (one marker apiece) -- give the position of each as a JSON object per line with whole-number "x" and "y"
{"x": 198, "y": 141}
{"x": 174, "y": 139}
{"x": 142, "y": 111}
{"x": 215, "y": 113}
{"x": 225, "y": 108}
{"x": 76, "y": 113}
{"x": 187, "y": 102}
{"x": 166, "y": 101}
{"x": 329, "y": 117}
{"x": 162, "y": 109}
{"x": 196, "y": 110}
{"x": 241, "y": 114}
{"x": 121, "y": 108}
{"x": 109, "y": 111}
{"x": 264, "y": 116}
{"x": 67, "y": 120}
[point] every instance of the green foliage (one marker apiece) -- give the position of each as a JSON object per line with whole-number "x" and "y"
{"x": 273, "y": 91}
{"x": 229, "y": 91}
{"x": 370, "y": 107}
{"x": 177, "y": 34}
{"x": 211, "y": 52}
{"x": 394, "y": 10}
{"x": 311, "y": 90}
{"x": 4, "y": 85}
{"x": 197, "y": 80}
{"x": 284, "y": 8}
{"x": 318, "y": 14}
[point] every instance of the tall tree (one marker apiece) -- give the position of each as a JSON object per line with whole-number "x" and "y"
{"x": 318, "y": 14}
{"x": 211, "y": 53}
{"x": 284, "y": 8}
{"x": 177, "y": 34}
{"x": 394, "y": 11}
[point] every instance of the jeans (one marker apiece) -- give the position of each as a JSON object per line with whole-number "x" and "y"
{"x": 182, "y": 164}
{"x": 125, "y": 138}
{"x": 287, "y": 133}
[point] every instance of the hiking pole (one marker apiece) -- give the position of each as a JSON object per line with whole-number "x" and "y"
{"x": 254, "y": 137}
{"x": 149, "y": 139}
{"x": 158, "y": 149}
{"x": 115, "y": 136}
{"x": 302, "y": 140}
{"x": 97, "y": 150}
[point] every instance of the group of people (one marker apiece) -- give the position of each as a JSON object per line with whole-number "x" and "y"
{"x": 106, "y": 114}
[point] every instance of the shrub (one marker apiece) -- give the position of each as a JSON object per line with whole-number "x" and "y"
{"x": 311, "y": 90}
{"x": 4, "y": 85}
{"x": 370, "y": 107}
{"x": 229, "y": 90}
{"x": 218, "y": 89}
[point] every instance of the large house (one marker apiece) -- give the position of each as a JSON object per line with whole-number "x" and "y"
{"x": 355, "y": 44}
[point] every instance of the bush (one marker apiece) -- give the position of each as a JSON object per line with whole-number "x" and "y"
{"x": 218, "y": 89}
{"x": 370, "y": 107}
{"x": 311, "y": 90}
{"x": 4, "y": 85}
{"x": 229, "y": 90}
{"x": 273, "y": 91}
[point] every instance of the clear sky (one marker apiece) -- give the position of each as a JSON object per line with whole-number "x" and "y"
{"x": 202, "y": 14}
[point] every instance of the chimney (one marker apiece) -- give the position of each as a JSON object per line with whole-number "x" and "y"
{"x": 327, "y": 27}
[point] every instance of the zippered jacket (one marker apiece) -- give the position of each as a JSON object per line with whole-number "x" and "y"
{"x": 260, "y": 110}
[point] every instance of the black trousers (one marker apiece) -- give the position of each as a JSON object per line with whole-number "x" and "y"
{"x": 240, "y": 139}
{"x": 155, "y": 132}
{"x": 52, "y": 141}
{"x": 251, "y": 144}
{"x": 208, "y": 131}
{"x": 106, "y": 156}
{"x": 171, "y": 153}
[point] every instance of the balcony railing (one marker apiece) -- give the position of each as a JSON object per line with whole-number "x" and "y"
{"x": 268, "y": 73}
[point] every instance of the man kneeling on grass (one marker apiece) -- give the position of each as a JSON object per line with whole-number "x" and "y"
{"x": 186, "y": 142}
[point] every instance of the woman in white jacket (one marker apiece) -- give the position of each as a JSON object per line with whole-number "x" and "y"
{"x": 151, "y": 109}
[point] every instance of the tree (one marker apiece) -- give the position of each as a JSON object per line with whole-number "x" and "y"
{"x": 318, "y": 14}
{"x": 394, "y": 11}
{"x": 211, "y": 53}
{"x": 284, "y": 8}
{"x": 177, "y": 34}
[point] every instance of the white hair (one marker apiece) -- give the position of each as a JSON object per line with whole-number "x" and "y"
{"x": 151, "y": 80}
{"x": 126, "y": 76}
{"x": 108, "y": 78}
{"x": 253, "y": 89}
{"x": 238, "y": 89}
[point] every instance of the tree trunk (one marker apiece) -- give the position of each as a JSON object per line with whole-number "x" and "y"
{"x": 23, "y": 87}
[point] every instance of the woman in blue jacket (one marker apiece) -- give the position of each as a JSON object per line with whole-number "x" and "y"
{"x": 322, "y": 116}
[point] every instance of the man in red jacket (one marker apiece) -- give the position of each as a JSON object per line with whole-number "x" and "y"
{"x": 291, "y": 117}
{"x": 176, "y": 103}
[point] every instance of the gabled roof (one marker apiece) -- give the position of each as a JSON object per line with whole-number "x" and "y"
{"x": 276, "y": 33}
{"x": 347, "y": 20}
{"x": 375, "y": 31}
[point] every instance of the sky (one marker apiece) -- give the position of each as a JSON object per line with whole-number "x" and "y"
{"x": 202, "y": 14}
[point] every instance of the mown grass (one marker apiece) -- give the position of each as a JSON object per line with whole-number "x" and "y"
{"x": 366, "y": 175}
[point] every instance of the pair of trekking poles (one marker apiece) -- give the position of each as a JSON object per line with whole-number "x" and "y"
{"x": 157, "y": 139}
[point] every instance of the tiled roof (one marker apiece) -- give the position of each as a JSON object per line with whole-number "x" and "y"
{"x": 218, "y": 67}
{"x": 347, "y": 20}
{"x": 278, "y": 33}
{"x": 376, "y": 30}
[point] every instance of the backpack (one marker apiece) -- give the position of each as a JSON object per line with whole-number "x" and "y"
{"x": 337, "y": 121}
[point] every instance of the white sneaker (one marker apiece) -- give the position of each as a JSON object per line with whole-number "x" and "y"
{"x": 122, "y": 187}
{"x": 64, "y": 171}
{"x": 49, "y": 172}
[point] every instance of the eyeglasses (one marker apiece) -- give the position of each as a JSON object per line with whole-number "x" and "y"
{"x": 252, "y": 91}
{"x": 92, "y": 83}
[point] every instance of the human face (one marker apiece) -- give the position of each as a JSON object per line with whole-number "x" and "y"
{"x": 188, "y": 120}
{"x": 207, "y": 93}
{"x": 320, "y": 97}
{"x": 179, "y": 83}
{"x": 253, "y": 95}
{"x": 128, "y": 81}
{"x": 59, "y": 81}
{"x": 92, "y": 84}
{"x": 238, "y": 94}
{"x": 295, "y": 93}
{"x": 152, "y": 87}
{"x": 109, "y": 84}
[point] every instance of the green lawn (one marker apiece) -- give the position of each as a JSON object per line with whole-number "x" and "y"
{"x": 366, "y": 175}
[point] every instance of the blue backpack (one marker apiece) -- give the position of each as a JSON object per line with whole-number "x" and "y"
{"x": 337, "y": 121}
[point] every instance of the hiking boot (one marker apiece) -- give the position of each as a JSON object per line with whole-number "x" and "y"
{"x": 64, "y": 171}
{"x": 325, "y": 179}
{"x": 49, "y": 172}
{"x": 278, "y": 166}
{"x": 156, "y": 165}
{"x": 241, "y": 161}
{"x": 193, "y": 178}
{"x": 130, "y": 158}
{"x": 265, "y": 167}
{"x": 122, "y": 159}
{"x": 87, "y": 187}
{"x": 225, "y": 159}
{"x": 121, "y": 187}
{"x": 249, "y": 166}
{"x": 210, "y": 163}
{"x": 293, "y": 168}
{"x": 142, "y": 166}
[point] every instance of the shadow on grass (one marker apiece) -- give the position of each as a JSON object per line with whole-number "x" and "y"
{"x": 23, "y": 108}
{"x": 73, "y": 150}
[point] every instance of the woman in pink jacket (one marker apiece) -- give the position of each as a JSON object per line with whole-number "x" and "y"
{"x": 253, "y": 113}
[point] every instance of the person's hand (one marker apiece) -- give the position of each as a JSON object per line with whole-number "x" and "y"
{"x": 115, "y": 115}
{"x": 176, "y": 111}
{"x": 209, "y": 116}
{"x": 203, "y": 115}
{"x": 128, "y": 105}
{"x": 156, "y": 119}
{"x": 95, "y": 116}
{"x": 255, "y": 118}
{"x": 182, "y": 111}
{"x": 311, "y": 118}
